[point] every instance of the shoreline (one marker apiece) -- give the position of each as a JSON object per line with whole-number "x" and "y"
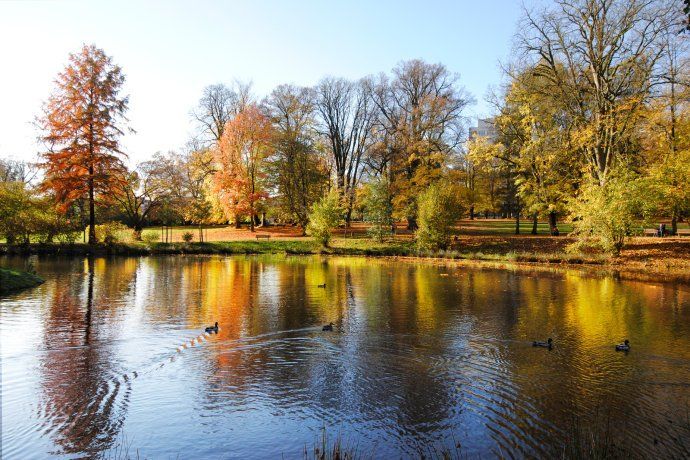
{"x": 547, "y": 261}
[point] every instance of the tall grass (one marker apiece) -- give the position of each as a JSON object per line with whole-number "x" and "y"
{"x": 595, "y": 438}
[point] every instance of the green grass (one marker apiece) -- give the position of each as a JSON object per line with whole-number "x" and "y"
{"x": 233, "y": 247}
{"x": 507, "y": 227}
{"x": 307, "y": 246}
{"x": 13, "y": 280}
{"x": 479, "y": 226}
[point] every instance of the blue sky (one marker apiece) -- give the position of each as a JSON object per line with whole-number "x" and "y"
{"x": 170, "y": 50}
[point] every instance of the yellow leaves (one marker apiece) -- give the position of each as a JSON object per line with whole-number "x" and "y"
{"x": 482, "y": 151}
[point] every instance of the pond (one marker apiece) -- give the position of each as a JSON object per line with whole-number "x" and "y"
{"x": 100, "y": 359}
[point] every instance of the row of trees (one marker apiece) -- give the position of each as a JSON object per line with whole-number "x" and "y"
{"x": 593, "y": 122}
{"x": 299, "y": 142}
{"x": 277, "y": 155}
{"x": 592, "y": 125}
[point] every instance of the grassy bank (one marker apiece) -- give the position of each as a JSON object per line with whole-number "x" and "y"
{"x": 642, "y": 258}
{"x": 13, "y": 280}
{"x": 340, "y": 246}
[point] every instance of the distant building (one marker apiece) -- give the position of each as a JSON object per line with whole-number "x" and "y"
{"x": 485, "y": 128}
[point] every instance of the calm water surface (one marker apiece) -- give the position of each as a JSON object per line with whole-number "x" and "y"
{"x": 422, "y": 355}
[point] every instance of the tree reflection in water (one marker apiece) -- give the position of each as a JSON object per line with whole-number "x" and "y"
{"x": 416, "y": 358}
{"x": 84, "y": 394}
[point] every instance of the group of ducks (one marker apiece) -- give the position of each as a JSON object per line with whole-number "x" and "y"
{"x": 625, "y": 346}
{"x": 214, "y": 329}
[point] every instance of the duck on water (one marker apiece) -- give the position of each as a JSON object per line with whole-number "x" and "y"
{"x": 625, "y": 346}
{"x": 212, "y": 329}
{"x": 548, "y": 344}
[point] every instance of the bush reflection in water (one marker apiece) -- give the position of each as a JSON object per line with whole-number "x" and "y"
{"x": 421, "y": 355}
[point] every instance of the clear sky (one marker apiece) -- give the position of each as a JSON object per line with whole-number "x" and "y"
{"x": 170, "y": 50}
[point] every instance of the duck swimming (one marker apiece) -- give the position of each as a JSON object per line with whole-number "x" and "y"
{"x": 322, "y": 285}
{"x": 327, "y": 327}
{"x": 213, "y": 329}
{"x": 547, "y": 344}
{"x": 625, "y": 346}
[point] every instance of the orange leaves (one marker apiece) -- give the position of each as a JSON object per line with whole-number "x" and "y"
{"x": 246, "y": 142}
{"x": 81, "y": 127}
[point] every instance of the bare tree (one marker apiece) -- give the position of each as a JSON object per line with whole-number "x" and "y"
{"x": 346, "y": 115}
{"x": 420, "y": 123}
{"x": 218, "y": 105}
{"x": 600, "y": 57}
{"x": 298, "y": 167}
{"x": 17, "y": 171}
{"x": 186, "y": 177}
{"x": 140, "y": 192}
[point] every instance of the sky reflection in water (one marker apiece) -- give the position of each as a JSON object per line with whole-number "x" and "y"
{"x": 422, "y": 355}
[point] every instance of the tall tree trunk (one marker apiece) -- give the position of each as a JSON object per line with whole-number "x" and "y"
{"x": 535, "y": 222}
{"x": 674, "y": 223}
{"x": 341, "y": 182}
{"x": 552, "y": 223}
{"x": 92, "y": 209}
{"x": 517, "y": 214}
{"x": 252, "y": 214}
{"x": 517, "y": 223}
{"x": 92, "y": 205}
{"x": 472, "y": 212}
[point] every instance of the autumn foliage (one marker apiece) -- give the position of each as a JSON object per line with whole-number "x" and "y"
{"x": 246, "y": 143}
{"x": 81, "y": 126}
{"x": 395, "y": 146}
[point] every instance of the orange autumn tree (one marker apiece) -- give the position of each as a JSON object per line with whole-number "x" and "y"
{"x": 240, "y": 156}
{"x": 82, "y": 123}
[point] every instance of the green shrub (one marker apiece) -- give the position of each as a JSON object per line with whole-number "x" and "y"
{"x": 68, "y": 237}
{"x": 325, "y": 214}
{"x": 604, "y": 215}
{"x": 187, "y": 237}
{"x": 26, "y": 216}
{"x": 379, "y": 209}
{"x": 438, "y": 208}
{"x": 110, "y": 232}
{"x": 150, "y": 237}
